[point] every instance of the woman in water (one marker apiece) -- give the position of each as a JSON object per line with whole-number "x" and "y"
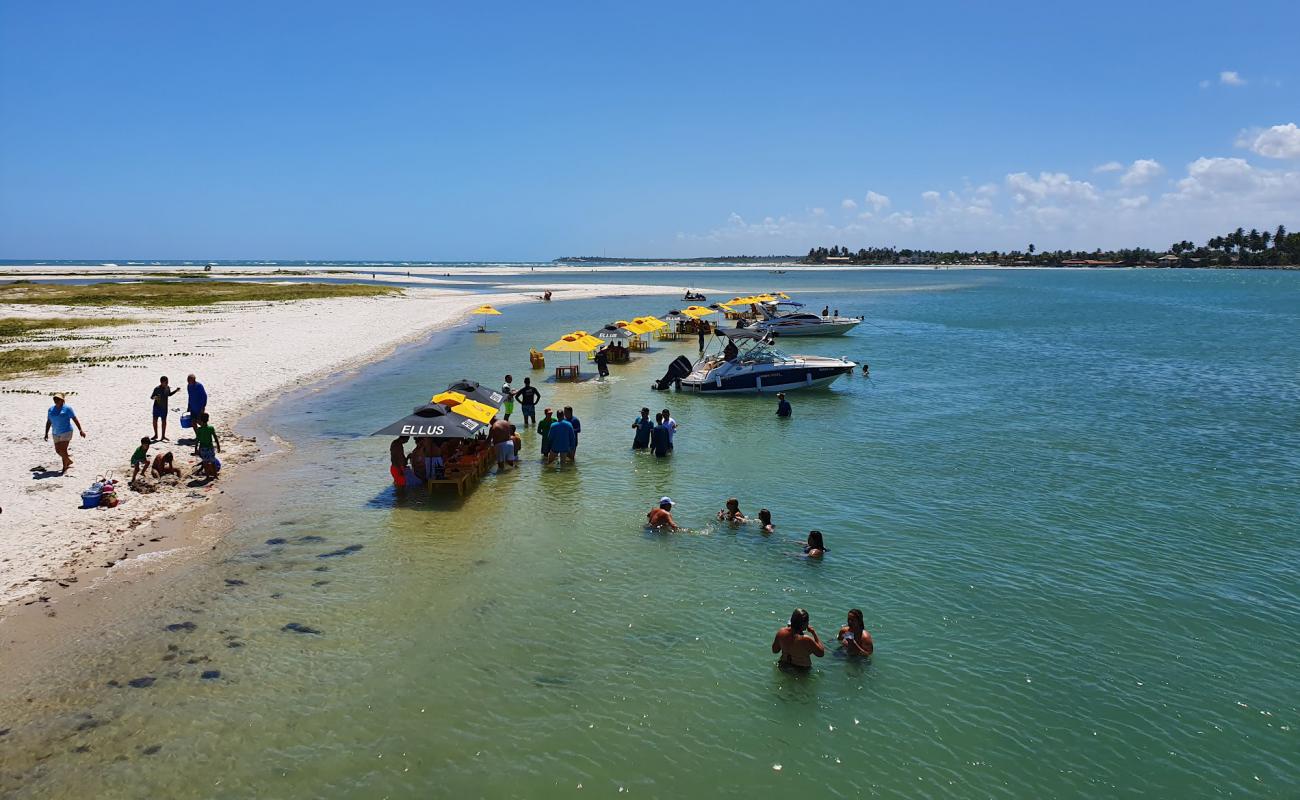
{"x": 732, "y": 513}
{"x": 814, "y": 547}
{"x": 797, "y": 641}
{"x": 765, "y": 520}
{"x": 854, "y": 637}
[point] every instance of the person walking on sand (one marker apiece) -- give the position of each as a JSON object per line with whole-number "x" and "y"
{"x": 783, "y": 408}
{"x": 528, "y": 397}
{"x": 508, "y": 392}
{"x": 161, "y": 394}
{"x": 854, "y": 637}
{"x": 797, "y": 641}
{"x": 59, "y": 420}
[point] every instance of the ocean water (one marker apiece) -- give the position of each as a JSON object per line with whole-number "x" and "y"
{"x": 1066, "y": 503}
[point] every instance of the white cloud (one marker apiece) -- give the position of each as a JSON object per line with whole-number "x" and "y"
{"x": 1143, "y": 171}
{"x": 1231, "y": 78}
{"x": 847, "y": 204}
{"x": 818, "y": 212}
{"x": 1134, "y": 202}
{"x": 1109, "y": 166}
{"x": 1279, "y": 141}
{"x": 878, "y": 202}
{"x": 930, "y": 196}
{"x": 1056, "y": 186}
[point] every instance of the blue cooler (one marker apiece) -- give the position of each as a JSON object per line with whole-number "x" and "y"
{"x": 186, "y": 420}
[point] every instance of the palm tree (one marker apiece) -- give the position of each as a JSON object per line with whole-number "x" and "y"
{"x": 1279, "y": 238}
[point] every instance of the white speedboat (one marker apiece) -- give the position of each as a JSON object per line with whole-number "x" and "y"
{"x": 775, "y": 319}
{"x": 750, "y": 364}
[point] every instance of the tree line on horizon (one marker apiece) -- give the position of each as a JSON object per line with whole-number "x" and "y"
{"x": 1239, "y": 248}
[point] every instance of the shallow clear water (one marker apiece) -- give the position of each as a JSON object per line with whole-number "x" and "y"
{"x": 1064, "y": 501}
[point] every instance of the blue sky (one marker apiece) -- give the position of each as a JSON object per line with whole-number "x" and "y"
{"x": 518, "y": 131}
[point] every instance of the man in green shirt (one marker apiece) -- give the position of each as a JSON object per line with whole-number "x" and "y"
{"x": 209, "y": 446}
{"x": 544, "y": 428}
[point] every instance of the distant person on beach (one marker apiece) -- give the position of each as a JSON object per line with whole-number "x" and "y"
{"x": 660, "y": 438}
{"x": 563, "y": 440}
{"x": 814, "y": 547}
{"x": 576, "y": 424}
{"x": 661, "y": 517}
{"x": 528, "y": 397}
{"x": 59, "y": 419}
{"x": 508, "y": 393}
{"x": 140, "y": 459}
{"x": 783, "y": 408}
{"x": 161, "y": 394}
{"x": 797, "y": 641}
{"x": 499, "y": 435}
{"x": 397, "y": 460}
{"x": 546, "y": 295}
{"x": 732, "y": 513}
{"x": 164, "y": 465}
{"x": 854, "y": 637}
{"x": 643, "y": 426}
{"x": 209, "y": 445}
{"x": 765, "y": 521}
{"x": 671, "y": 425}
{"x": 544, "y": 430}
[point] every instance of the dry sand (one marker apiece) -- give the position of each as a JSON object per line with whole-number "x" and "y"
{"x": 246, "y": 354}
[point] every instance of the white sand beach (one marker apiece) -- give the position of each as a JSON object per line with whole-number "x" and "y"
{"x": 246, "y": 355}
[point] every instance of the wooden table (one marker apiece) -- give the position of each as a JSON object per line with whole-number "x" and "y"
{"x": 567, "y": 373}
{"x": 638, "y": 344}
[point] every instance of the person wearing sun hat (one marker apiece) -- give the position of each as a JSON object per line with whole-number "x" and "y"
{"x": 662, "y": 517}
{"x": 59, "y": 420}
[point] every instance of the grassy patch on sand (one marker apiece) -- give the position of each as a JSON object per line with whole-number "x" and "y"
{"x": 12, "y": 327}
{"x": 169, "y": 293}
{"x": 28, "y": 359}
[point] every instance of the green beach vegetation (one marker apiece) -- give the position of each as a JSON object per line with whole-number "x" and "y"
{"x": 1238, "y": 249}
{"x": 15, "y": 327}
{"x": 173, "y": 294}
{"x": 22, "y": 360}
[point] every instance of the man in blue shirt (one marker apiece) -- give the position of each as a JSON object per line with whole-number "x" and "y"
{"x": 782, "y": 405}
{"x": 197, "y": 404}
{"x": 577, "y": 429}
{"x": 562, "y": 439}
{"x": 60, "y": 419}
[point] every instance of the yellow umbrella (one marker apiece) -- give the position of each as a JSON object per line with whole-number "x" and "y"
{"x": 650, "y": 323}
{"x": 466, "y": 407}
{"x": 695, "y": 312}
{"x": 576, "y": 342}
{"x": 485, "y": 310}
{"x": 635, "y": 327}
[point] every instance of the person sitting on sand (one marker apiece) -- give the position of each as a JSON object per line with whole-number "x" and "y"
{"x": 854, "y": 638}
{"x": 797, "y": 641}
{"x": 163, "y": 466}
{"x": 765, "y": 521}
{"x": 140, "y": 459}
{"x": 732, "y": 513}
{"x": 814, "y": 547}
{"x": 209, "y": 445}
{"x": 397, "y": 460}
{"x": 661, "y": 517}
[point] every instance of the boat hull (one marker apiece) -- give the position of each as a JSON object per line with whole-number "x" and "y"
{"x": 811, "y": 377}
{"x": 820, "y": 329}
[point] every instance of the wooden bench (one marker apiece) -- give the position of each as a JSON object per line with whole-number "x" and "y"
{"x": 457, "y": 479}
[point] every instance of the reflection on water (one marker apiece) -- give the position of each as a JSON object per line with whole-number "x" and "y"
{"x": 1041, "y": 516}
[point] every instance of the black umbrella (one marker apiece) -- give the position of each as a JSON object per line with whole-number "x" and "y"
{"x": 433, "y": 419}
{"x": 477, "y": 391}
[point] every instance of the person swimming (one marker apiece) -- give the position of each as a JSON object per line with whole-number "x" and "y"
{"x": 765, "y": 520}
{"x": 732, "y": 512}
{"x": 854, "y": 637}
{"x": 797, "y": 641}
{"x": 661, "y": 518}
{"x": 814, "y": 547}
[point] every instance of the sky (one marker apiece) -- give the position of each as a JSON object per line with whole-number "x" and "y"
{"x": 528, "y": 131}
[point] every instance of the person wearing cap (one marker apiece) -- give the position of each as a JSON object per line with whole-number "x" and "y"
{"x": 782, "y": 405}
{"x": 59, "y": 420}
{"x": 662, "y": 517}
{"x": 544, "y": 428}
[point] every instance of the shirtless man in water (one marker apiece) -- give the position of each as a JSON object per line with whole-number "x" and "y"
{"x": 499, "y": 434}
{"x": 797, "y": 641}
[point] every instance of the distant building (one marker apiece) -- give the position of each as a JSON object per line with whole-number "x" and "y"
{"x": 1168, "y": 260}
{"x": 838, "y": 259}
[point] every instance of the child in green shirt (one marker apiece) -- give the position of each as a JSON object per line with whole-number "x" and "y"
{"x": 209, "y": 446}
{"x": 140, "y": 459}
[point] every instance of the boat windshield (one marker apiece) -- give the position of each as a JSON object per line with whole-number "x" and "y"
{"x": 762, "y": 353}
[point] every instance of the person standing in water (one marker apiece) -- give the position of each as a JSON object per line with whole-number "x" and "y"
{"x": 397, "y": 461}
{"x": 660, "y": 438}
{"x": 508, "y": 392}
{"x": 671, "y": 425}
{"x": 528, "y": 397}
{"x": 814, "y": 547}
{"x": 576, "y": 424}
{"x": 544, "y": 430}
{"x": 499, "y": 434}
{"x": 783, "y": 408}
{"x": 854, "y": 637}
{"x": 602, "y": 362}
{"x": 797, "y": 641}
{"x": 699, "y": 330}
{"x": 643, "y": 426}
{"x": 661, "y": 518}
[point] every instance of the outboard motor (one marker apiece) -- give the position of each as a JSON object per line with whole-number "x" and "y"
{"x": 680, "y": 368}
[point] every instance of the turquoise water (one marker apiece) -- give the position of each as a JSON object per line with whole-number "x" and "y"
{"x": 1064, "y": 501}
